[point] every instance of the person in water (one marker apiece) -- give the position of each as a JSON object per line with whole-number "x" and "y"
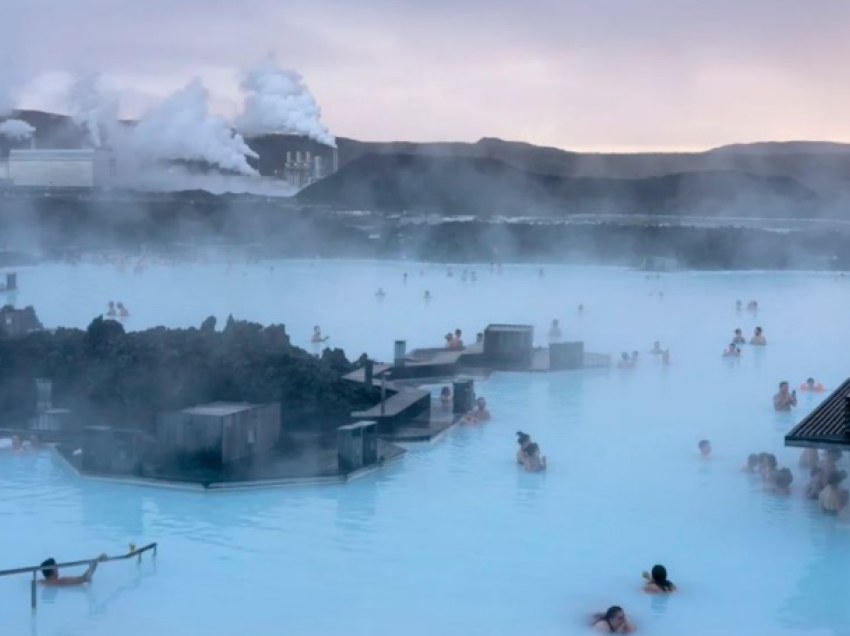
{"x": 817, "y": 482}
{"x": 657, "y": 581}
{"x": 809, "y": 458}
{"x": 625, "y": 361}
{"x": 704, "y": 448}
{"x": 122, "y": 311}
{"x": 739, "y": 337}
{"x": 833, "y": 498}
{"x": 523, "y": 439}
{"x": 665, "y": 357}
{"x": 780, "y": 482}
{"x": 732, "y": 351}
{"x": 427, "y": 296}
{"x": 52, "y": 578}
{"x": 555, "y": 331}
{"x": 758, "y": 338}
{"x": 317, "y": 335}
{"x": 110, "y": 310}
{"x": 752, "y": 464}
{"x": 612, "y": 621}
{"x": 380, "y": 293}
{"x": 656, "y": 348}
{"x": 768, "y": 467}
{"x": 445, "y": 396}
{"x": 532, "y": 460}
{"x": 784, "y": 400}
{"x": 480, "y": 413}
{"x": 811, "y": 385}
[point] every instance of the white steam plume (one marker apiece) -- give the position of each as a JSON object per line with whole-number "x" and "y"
{"x": 91, "y": 109}
{"x": 278, "y": 100}
{"x": 181, "y": 127}
{"x": 16, "y": 129}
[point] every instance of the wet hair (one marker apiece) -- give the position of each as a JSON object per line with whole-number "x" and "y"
{"x": 445, "y": 391}
{"x": 532, "y": 449}
{"x": 752, "y": 460}
{"x": 48, "y": 568}
{"x": 783, "y": 478}
{"x": 659, "y": 578}
{"x": 611, "y": 612}
{"x": 762, "y": 458}
{"x": 810, "y": 380}
{"x": 522, "y": 438}
{"x": 703, "y": 443}
{"x": 758, "y": 329}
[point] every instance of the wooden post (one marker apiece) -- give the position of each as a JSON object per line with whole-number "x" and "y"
{"x": 34, "y": 586}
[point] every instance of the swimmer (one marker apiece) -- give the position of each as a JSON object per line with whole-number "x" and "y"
{"x": 732, "y": 351}
{"x": 404, "y": 278}
{"x": 445, "y": 396}
{"x": 480, "y": 413}
{"x": 427, "y": 296}
{"x": 123, "y": 312}
{"x": 581, "y": 310}
{"x": 457, "y": 341}
{"x": 531, "y": 459}
{"x": 52, "y": 578}
{"x": 449, "y": 338}
{"x": 752, "y": 464}
{"x": 768, "y": 467}
{"x": 523, "y": 439}
{"x": 784, "y": 400}
{"x": 612, "y": 621}
{"x": 317, "y": 335}
{"x": 110, "y": 310}
{"x": 752, "y": 306}
{"x": 811, "y": 385}
{"x": 833, "y": 498}
{"x": 830, "y": 460}
{"x": 555, "y": 331}
{"x": 380, "y": 293}
{"x": 625, "y": 361}
{"x": 657, "y": 581}
{"x": 704, "y": 448}
{"x": 739, "y": 337}
{"x": 656, "y": 348}
{"x": 780, "y": 482}
{"x": 634, "y": 357}
{"x": 758, "y": 338}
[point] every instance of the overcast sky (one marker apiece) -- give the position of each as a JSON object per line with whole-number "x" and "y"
{"x": 579, "y": 74}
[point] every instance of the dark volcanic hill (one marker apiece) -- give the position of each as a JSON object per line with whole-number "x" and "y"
{"x": 486, "y": 186}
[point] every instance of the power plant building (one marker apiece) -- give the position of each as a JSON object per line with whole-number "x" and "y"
{"x": 48, "y": 168}
{"x": 297, "y": 160}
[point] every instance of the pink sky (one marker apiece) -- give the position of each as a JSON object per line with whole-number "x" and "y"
{"x": 607, "y": 75}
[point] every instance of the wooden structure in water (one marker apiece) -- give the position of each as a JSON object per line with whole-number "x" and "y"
{"x": 828, "y": 426}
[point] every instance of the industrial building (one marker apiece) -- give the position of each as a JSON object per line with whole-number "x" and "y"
{"x": 47, "y": 168}
{"x": 297, "y": 160}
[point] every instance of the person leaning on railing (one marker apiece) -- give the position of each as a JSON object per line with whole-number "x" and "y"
{"x": 51, "y": 573}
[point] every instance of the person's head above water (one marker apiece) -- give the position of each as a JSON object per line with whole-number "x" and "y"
{"x": 810, "y": 382}
{"x": 783, "y": 478}
{"x": 704, "y": 447}
{"x": 49, "y": 569}
{"x": 615, "y": 616}
{"x": 758, "y": 331}
{"x": 522, "y": 438}
{"x": 659, "y": 578}
{"x": 783, "y": 387}
{"x": 752, "y": 461}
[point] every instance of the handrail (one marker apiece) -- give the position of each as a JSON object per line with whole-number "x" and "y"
{"x": 35, "y": 569}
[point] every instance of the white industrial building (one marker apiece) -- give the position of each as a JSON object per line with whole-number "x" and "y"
{"x": 45, "y": 168}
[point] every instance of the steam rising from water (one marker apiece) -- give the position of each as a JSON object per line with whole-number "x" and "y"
{"x": 16, "y": 129}
{"x": 182, "y": 127}
{"x": 278, "y": 100}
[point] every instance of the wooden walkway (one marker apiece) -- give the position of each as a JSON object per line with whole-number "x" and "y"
{"x": 827, "y": 425}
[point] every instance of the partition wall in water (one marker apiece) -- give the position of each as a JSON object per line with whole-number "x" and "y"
{"x": 457, "y": 539}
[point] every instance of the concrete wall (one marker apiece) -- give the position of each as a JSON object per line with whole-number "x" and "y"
{"x": 52, "y": 168}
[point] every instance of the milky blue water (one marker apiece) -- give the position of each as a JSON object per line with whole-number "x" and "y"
{"x": 456, "y": 539}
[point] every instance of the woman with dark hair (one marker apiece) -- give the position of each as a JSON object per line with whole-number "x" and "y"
{"x": 523, "y": 439}
{"x": 51, "y": 573}
{"x": 657, "y": 581}
{"x": 612, "y": 621}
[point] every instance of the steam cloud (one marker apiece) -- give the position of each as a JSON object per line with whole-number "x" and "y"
{"x": 92, "y": 110}
{"x": 278, "y": 100}
{"x": 182, "y": 127}
{"x": 16, "y": 129}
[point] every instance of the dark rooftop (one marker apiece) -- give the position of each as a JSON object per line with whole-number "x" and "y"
{"x": 826, "y": 425}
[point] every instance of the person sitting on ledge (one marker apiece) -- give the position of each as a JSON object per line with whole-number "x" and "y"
{"x": 811, "y": 385}
{"x": 531, "y": 459}
{"x": 122, "y": 311}
{"x": 625, "y": 361}
{"x": 523, "y": 439}
{"x": 784, "y": 400}
{"x": 52, "y": 578}
{"x": 612, "y": 621}
{"x": 758, "y": 338}
{"x": 445, "y": 396}
{"x": 110, "y": 311}
{"x": 656, "y": 348}
{"x": 479, "y": 337}
{"x": 480, "y": 413}
{"x": 780, "y": 482}
{"x": 555, "y": 331}
{"x": 732, "y": 351}
{"x": 704, "y": 448}
{"x": 657, "y": 581}
{"x": 739, "y": 338}
{"x": 449, "y": 340}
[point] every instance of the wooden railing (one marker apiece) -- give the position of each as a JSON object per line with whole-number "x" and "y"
{"x": 35, "y": 569}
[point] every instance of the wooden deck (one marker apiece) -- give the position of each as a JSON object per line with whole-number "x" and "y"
{"x": 826, "y": 426}
{"x": 427, "y": 426}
